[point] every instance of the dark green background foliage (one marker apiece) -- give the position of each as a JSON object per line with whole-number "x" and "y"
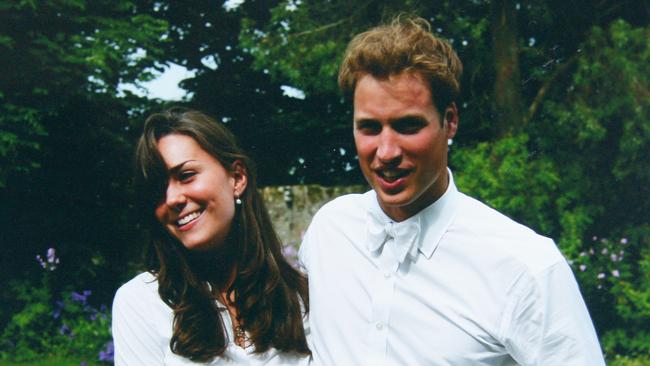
{"x": 554, "y": 128}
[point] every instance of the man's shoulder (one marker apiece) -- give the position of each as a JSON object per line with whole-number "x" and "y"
{"x": 506, "y": 236}
{"x": 348, "y": 205}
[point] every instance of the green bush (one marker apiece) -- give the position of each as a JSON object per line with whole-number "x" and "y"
{"x": 66, "y": 326}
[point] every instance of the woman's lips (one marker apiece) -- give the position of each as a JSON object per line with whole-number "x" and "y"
{"x": 187, "y": 225}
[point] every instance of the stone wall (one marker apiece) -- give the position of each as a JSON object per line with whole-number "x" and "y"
{"x": 292, "y": 207}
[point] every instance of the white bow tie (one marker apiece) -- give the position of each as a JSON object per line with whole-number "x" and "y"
{"x": 405, "y": 235}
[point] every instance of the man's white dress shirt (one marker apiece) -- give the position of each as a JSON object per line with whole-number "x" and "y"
{"x": 456, "y": 284}
{"x": 142, "y": 329}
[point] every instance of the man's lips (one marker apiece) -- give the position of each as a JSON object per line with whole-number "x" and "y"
{"x": 391, "y": 180}
{"x": 392, "y": 175}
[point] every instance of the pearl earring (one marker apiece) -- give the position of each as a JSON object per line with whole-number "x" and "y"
{"x": 237, "y": 201}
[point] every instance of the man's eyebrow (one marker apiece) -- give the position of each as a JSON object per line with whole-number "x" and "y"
{"x": 410, "y": 118}
{"x": 400, "y": 119}
{"x": 175, "y": 169}
{"x": 366, "y": 120}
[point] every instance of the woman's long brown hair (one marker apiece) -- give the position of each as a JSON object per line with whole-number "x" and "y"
{"x": 269, "y": 294}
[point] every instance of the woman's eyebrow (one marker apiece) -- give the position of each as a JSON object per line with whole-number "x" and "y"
{"x": 177, "y": 168}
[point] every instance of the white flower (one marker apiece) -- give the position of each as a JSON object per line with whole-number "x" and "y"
{"x": 231, "y": 5}
{"x": 292, "y": 92}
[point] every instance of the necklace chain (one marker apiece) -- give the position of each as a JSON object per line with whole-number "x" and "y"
{"x": 240, "y": 336}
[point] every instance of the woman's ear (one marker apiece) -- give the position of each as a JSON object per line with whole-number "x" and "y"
{"x": 240, "y": 177}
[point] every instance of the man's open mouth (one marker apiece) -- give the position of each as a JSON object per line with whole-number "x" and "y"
{"x": 393, "y": 174}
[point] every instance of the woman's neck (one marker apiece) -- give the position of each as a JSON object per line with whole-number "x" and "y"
{"x": 219, "y": 268}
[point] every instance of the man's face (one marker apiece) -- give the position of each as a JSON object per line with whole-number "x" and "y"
{"x": 401, "y": 142}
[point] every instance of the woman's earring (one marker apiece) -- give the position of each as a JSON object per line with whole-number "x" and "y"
{"x": 237, "y": 201}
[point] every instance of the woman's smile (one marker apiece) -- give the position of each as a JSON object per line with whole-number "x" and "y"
{"x": 198, "y": 208}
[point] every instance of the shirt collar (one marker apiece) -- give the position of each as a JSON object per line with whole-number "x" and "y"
{"x": 434, "y": 220}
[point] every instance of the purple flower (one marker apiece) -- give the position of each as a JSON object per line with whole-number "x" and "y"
{"x": 51, "y": 260}
{"x": 40, "y": 261}
{"x": 51, "y": 255}
{"x": 583, "y": 267}
{"x": 601, "y": 276}
{"x": 616, "y": 273}
{"x": 80, "y": 297}
{"x": 60, "y": 305}
{"x": 107, "y": 354}
{"x": 289, "y": 251}
{"x": 623, "y": 241}
{"x": 65, "y": 330}
{"x": 291, "y": 254}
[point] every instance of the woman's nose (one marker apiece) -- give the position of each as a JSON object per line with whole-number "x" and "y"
{"x": 175, "y": 198}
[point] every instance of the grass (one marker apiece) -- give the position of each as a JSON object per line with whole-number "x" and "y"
{"x": 49, "y": 361}
{"x": 625, "y": 361}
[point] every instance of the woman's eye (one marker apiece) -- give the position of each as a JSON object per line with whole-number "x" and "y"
{"x": 184, "y": 176}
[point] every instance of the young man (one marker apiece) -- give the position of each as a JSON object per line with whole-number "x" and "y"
{"x": 415, "y": 272}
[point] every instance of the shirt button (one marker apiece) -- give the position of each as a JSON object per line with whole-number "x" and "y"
{"x": 379, "y": 326}
{"x": 386, "y": 275}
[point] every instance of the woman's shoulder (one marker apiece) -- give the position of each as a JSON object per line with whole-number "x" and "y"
{"x": 144, "y": 281}
{"x": 140, "y": 290}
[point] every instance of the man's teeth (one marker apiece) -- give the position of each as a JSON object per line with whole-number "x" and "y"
{"x": 390, "y": 174}
{"x": 393, "y": 175}
{"x": 185, "y": 219}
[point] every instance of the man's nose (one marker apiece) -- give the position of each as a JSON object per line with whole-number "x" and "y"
{"x": 388, "y": 148}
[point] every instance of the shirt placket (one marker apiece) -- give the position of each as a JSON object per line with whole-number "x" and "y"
{"x": 382, "y": 297}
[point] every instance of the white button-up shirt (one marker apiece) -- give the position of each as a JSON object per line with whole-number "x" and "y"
{"x": 471, "y": 287}
{"x": 142, "y": 328}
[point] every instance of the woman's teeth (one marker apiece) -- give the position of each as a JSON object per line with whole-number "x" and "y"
{"x": 185, "y": 219}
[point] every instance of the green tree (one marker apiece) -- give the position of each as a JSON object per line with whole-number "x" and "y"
{"x": 65, "y": 136}
{"x": 55, "y": 50}
{"x": 553, "y": 121}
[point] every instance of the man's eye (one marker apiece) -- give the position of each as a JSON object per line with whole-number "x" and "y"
{"x": 409, "y": 126}
{"x": 369, "y": 128}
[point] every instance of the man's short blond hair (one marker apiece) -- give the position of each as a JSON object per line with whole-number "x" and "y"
{"x": 404, "y": 45}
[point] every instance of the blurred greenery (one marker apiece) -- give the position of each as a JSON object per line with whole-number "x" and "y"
{"x": 48, "y": 361}
{"x": 68, "y": 325}
{"x": 564, "y": 152}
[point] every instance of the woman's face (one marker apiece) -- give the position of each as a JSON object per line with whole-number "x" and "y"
{"x": 198, "y": 207}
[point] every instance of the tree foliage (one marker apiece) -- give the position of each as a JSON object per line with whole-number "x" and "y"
{"x": 560, "y": 145}
{"x": 553, "y": 121}
{"x": 57, "y": 49}
{"x": 65, "y": 135}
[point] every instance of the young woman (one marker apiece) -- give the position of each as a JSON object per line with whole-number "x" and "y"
{"x": 218, "y": 289}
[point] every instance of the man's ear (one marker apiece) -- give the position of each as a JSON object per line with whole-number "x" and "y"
{"x": 240, "y": 177}
{"x": 450, "y": 120}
